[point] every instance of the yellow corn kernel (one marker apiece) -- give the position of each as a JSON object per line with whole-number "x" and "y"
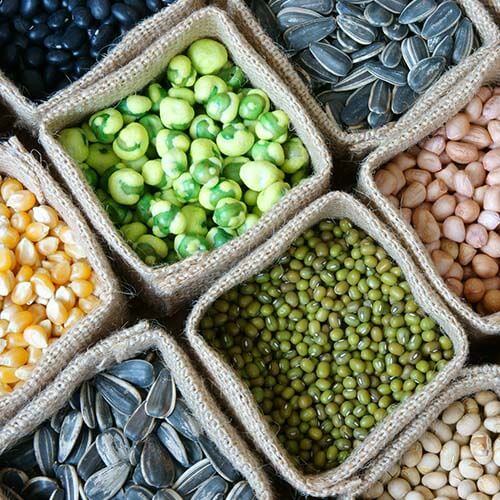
{"x": 20, "y": 221}
{"x": 58, "y": 331}
{"x": 9, "y": 311}
{"x": 25, "y": 273}
{"x": 7, "y": 283}
{"x": 80, "y": 270}
{"x": 89, "y": 303}
{"x": 3, "y": 345}
{"x": 60, "y": 273}
{"x": 38, "y": 311}
{"x": 56, "y": 312}
{"x": 75, "y": 251}
{"x": 20, "y": 321}
{"x": 58, "y": 229}
{"x": 75, "y": 315}
{"x": 67, "y": 236}
{"x": 43, "y": 285}
{"x": 15, "y": 357}
{"x": 36, "y": 336}
{"x": 5, "y": 389}
{"x": 48, "y": 245}
{"x": 9, "y": 237}
{"x": 46, "y": 215}
{"x": 41, "y": 301}
{"x": 23, "y": 293}
{"x": 8, "y": 375}
{"x": 36, "y": 231}
{"x": 66, "y": 296}
{"x": 47, "y": 325}
{"x": 15, "y": 340}
{"x": 21, "y": 201}
{"x": 34, "y": 355}
{"x": 7, "y": 258}
{"x": 26, "y": 252}
{"x": 4, "y": 326}
{"x": 59, "y": 256}
{"x": 5, "y": 211}
{"x": 24, "y": 372}
{"x": 10, "y": 186}
{"x": 82, "y": 288}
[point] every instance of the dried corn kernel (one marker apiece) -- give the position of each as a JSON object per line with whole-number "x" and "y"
{"x": 36, "y": 336}
{"x": 15, "y": 340}
{"x": 20, "y": 221}
{"x": 8, "y": 375}
{"x": 10, "y": 186}
{"x": 22, "y": 200}
{"x": 6, "y": 259}
{"x": 36, "y": 231}
{"x": 14, "y": 358}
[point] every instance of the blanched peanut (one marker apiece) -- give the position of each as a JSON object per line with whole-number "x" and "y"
{"x": 457, "y": 126}
{"x": 444, "y": 207}
{"x": 468, "y": 211}
{"x": 429, "y": 161}
{"x": 414, "y": 495}
{"x": 470, "y": 469}
{"x": 461, "y": 152}
{"x": 435, "y": 144}
{"x": 386, "y": 182}
{"x": 404, "y": 161}
{"x": 489, "y": 219}
{"x": 454, "y": 229}
{"x": 476, "y": 235}
{"x": 484, "y": 266}
{"x": 456, "y": 271}
{"x": 496, "y": 451}
{"x": 414, "y": 195}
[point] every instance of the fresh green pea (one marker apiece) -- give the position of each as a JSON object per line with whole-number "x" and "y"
{"x": 206, "y": 171}
{"x": 201, "y": 149}
{"x": 174, "y": 163}
{"x": 273, "y": 126}
{"x": 254, "y": 104}
{"x": 169, "y": 195}
{"x": 156, "y": 93}
{"x": 271, "y": 195}
{"x": 151, "y": 249}
{"x": 106, "y": 124}
{"x": 258, "y": 175}
{"x": 196, "y": 220}
{"x": 117, "y": 213}
{"x": 101, "y": 157}
{"x": 153, "y": 174}
{"x": 296, "y": 156}
{"x": 170, "y": 139}
{"x": 133, "y": 107}
{"x": 153, "y": 126}
{"x": 88, "y": 133}
{"x": 211, "y": 194}
{"x": 90, "y": 175}
{"x": 207, "y": 56}
{"x": 176, "y": 114}
{"x": 268, "y": 151}
{"x": 126, "y": 186}
{"x": 217, "y": 237}
{"x": 167, "y": 218}
{"x": 180, "y": 71}
{"x": 203, "y": 127}
{"x": 143, "y": 209}
{"x": 235, "y": 140}
{"x": 229, "y": 213}
{"x": 75, "y": 143}
{"x": 208, "y": 86}
{"x": 250, "y": 198}
{"x": 133, "y": 231}
{"x": 132, "y": 142}
{"x": 182, "y": 93}
{"x": 233, "y": 75}
{"x": 223, "y": 107}
{"x": 136, "y": 164}
{"x": 250, "y": 221}
{"x": 186, "y": 188}
{"x": 190, "y": 244}
{"x": 231, "y": 167}
{"x": 299, "y": 176}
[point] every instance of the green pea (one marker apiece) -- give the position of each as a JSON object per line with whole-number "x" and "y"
{"x": 250, "y": 198}
{"x": 174, "y": 163}
{"x": 75, "y": 143}
{"x": 186, "y": 188}
{"x": 250, "y": 221}
{"x": 176, "y": 114}
{"x": 118, "y": 214}
{"x": 133, "y": 231}
{"x": 169, "y": 195}
{"x": 88, "y": 133}
{"x": 268, "y": 151}
{"x": 223, "y": 107}
{"x": 106, "y": 124}
{"x": 254, "y": 104}
{"x": 180, "y": 72}
{"x": 203, "y": 127}
{"x": 271, "y": 195}
{"x": 235, "y": 140}
{"x": 211, "y": 194}
{"x": 171, "y": 139}
{"x": 153, "y": 174}
{"x": 126, "y": 186}
{"x": 296, "y": 156}
{"x": 190, "y": 244}
{"x": 167, "y": 218}
{"x": 258, "y": 175}
{"x": 134, "y": 107}
{"x": 182, "y": 93}
{"x": 233, "y": 75}
{"x": 231, "y": 167}
{"x": 132, "y": 142}
{"x": 201, "y": 149}
{"x": 101, "y": 157}
{"x": 151, "y": 249}
{"x": 196, "y": 220}
{"x": 229, "y": 213}
{"x": 207, "y": 56}
{"x": 153, "y": 126}
{"x": 217, "y": 237}
{"x": 206, "y": 171}
{"x": 90, "y": 175}
{"x": 208, "y": 86}
{"x": 156, "y": 93}
{"x": 136, "y": 164}
{"x": 143, "y": 209}
{"x": 273, "y": 126}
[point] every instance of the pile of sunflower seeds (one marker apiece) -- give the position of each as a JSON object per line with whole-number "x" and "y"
{"x": 126, "y": 434}
{"x": 368, "y": 60}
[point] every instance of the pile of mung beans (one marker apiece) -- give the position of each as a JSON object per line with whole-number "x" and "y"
{"x": 192, "y": 161}
{"x": 448, "y": 188}
{"x": 46, "y": 283}
{"x": 457, "y": 457}
{"x": 329, "y": 339}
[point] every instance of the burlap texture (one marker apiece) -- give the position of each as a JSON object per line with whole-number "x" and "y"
{"x": 169, "y": 286}
{"x": 15, "y": 161}
{"x": 480, "y": 325}
{"x": 239, "y": 397}
{"x": 357, "y": 143}
{"x": 126, "y": 344}
{"x": 494, "y": 8}
{"x": 29, "y": 113}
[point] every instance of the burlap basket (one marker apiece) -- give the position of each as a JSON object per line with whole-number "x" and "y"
{"x": 169, "y": 286}
{"x": 494, "y": 8}
{"x": 125, "y": 344}
{"x": 480, "y": 325}
{"x": 470, "y": 381}
{"x": 29, "y": 113}
{"x": 15, "y": 161}
{"x": 358, "y": 143}
{"x": 239, "y": 397}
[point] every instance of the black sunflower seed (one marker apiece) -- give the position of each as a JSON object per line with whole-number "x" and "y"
{"x": 301, "y": 36}
{"x": 309, "y": 63}
{"x": 266, "y": 17}
{"x": 358, "y": 29}
{"x": 84, "y": 441}
{"x": 414, "y": 50}
{"x": 391, "y": 55}
{"x": 463, "y": 41}
{"x": 107, "y": 482}
{"x": 119, "y": 393}
{"x": 346, "y": 9}
{"x": 331, "y": 58}
{"x": 136, "y": 492}
{"x": 167, "y": 494}
{"x": 379, "y": 100}
{"x": 416, "y": 11}
{"x": 346, "y": 43}
{"x": 376, "y": 15}
{"x": 445, "y": 15}
{"x": 425, "y": 73}
{"x": 103, "y": 414}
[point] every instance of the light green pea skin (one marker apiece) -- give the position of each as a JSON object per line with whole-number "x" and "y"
{"x": 133, "y": 231}
{"x": 196, "y": 220}
{"x": 235, "y": 139}
{"x": 217, "y": 236}
{"x": 250, "y": 220}
{"x": 171, "y": 139}
{"x": 190, "y": 244}
{"x": 143, "y": 209}
{"x": 186, "y": 188}
{"x": 101, "y": 157}
{"x": 271, "y": 195}
{"x": 88, "y": 133}
{"x": 153, "y": 126}
{"x": 298, "y": 176}
{"x": 134, "y": 107}
{"x": 126, "y": 186}
{"x": 250, "y": 198}
{"x": 231, "y": 167}
{"x": 208, "y": 86}
{"x": 132, "y": 142}
{"x": 182, "y": 93}
{"x": 153, "y": 174}
{"x": 223, "y": 107}
{"x": 156, "y": 93}
{"x": 254, "y": 104}
{"x": 269, "y": 151}
{"x": 229, "y": 213}
{"x": 250, "y": 125}
{"x": 233, "y": 75}
{"x": 90, "y": 175}
{"x": 211, "y": 194}
{"x": 151, "y": 249}
{"x": 174, "y": 163}
{"x": 136, "y": 164}
{"x": 176, "y": 113}
{"x": 169, "y": 195}
{"x": 257, "y": 211}
{"x": 201, "y": 149}
{"x": 167, "y": 218}
{"x": 258, "y": 175}
{"x": 296, "y": 156}
{"x": 106, "y": 124}
{"x": 180, "y": 71}
{"x": 273, "y": 126}
{"x": 75, "y": 143}
{"x": 104, "y": 178}
{"x": 118, "y": 214}
{"x": 208, "y": 56}
{"x": 203, "y": 127}
{"x": 205, "y": 171}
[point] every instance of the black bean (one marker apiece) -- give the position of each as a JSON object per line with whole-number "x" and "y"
{"x": 58, "y": 19}
{"x": 100, "y": 9}
{"x": 154, "y": 5}
{"x": 38, "y": 33}
{"x": 82, "y": 17}
{"x": 73, "y": 4}
{"x": 58, "y": 57}
{"x": 50, "y": 75}
{"x": 53, "y": 41}
{"x": 110, "y": 20}
{"x": 32, "y": 80}
{"x": 29, "y": 8}
{"x": 9, "y": 7}
{"x": 82, "y": 65}
{"x": 103, "y": 37}
{"x": 5, "y": 33}
{"x": 124, "y": 14}
{"x": 21, "y": 41}
{"x": 138, "y": 6}
{"x": 10, "y": 55}
{"x": 21, "y": 24}
{"x": 83, "y": 50}
{"x": 40, "y": 18}
{"x": 51, "y": 5}
{"x": 73, "y": 38}
{"x": 34, "y": 57}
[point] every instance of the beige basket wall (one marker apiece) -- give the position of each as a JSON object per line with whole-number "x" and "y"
{"x": 170, "y": 286}
{"x": 239, "y": 397}
{"x": 356, "y": 144}
{"x": 29, "y": 113}
{"x": 15, "y": 161}
{"x": 126, "y": 344}
{"x": 494, "y": 8}
{"x": 479, "y": 325}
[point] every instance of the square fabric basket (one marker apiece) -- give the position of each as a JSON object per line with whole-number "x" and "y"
{"x": 29, "y": 113}
{"x": 240, "y": 398}
{"x": 16, "y": 162}
{"x": 168, "y": 286}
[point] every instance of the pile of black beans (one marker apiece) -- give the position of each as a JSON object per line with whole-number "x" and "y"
{"x": 47, "y": 44}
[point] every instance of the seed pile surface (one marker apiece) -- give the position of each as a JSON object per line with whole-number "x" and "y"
{"x": 367, "y": 61}
{"x": 48, "y": 44}
{"x": 448, "y": 188}
{"x": 329, "y": 339}
{"x": 458, "y": 456}
{"x": 46, "y": 282}
{"x": 186, "y": 166}
{"x": 127, "y": 433}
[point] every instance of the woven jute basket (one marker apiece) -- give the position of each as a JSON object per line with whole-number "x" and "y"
{"x": 470, "y": 381}
{"x": 168, "y": 286}
{"x": 126, "y": 344}
{"x": 334, "y": 205}
{"x": 16, "y": 162}
{"x": 358, "y": 143}
{"x": 28, "y": 113}
{"x": 494, "y": 8}
{"x": 479, "y": 325}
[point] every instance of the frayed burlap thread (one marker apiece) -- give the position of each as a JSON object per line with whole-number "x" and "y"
{"x": 479, "y": 325}
{"x": 29, "y": 113}
{"x": 357, "y": 143}
{"x": 238, "y": 396}
{"x": 169, "y": 286}
{"x": 16, "y": 162}
{"x": 129, "y": 343}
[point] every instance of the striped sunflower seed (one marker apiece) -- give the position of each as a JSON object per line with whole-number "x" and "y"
{"x": 161, "y": 399}
{"x": 356, "y": 79}
{"x": 157, "y": 466}
{"x": 367, "y": 52}
{"x": 396, "y": 31}
{"x": 45, "y": 444}
{"x": 463, "y": 41}
{"x": 394, "y": 6}
{"x": 118, "y": 393}
{"x": 416, "y": 11}
{"x": 391, "y": 55}
{"x": 193, "y": 477}
{"x": 301, "y": 36}
{"x": 171, "y": 440}
{"x": 293, "y": 16}
{"x": 331, "y": 58}
{"x": 446, "y": 14}
{"x": 70, "y": 431}
{"x": 425, "y": 73}
{"x": 377, "y": 16}
{"x": 90, "y": 462}
{"x": 356, "y": 108}
{"x": 138, "y": 372}
{"x": 347, "y": 9}
{"x": 414, "y": 50}
{"x": 358, "y": 29}
{"x": 212, "y": 489}
{"x": 107, "y": 482}
{"x": 394, "y": 76}
{"x": 402, "y": 99}
{"x": 379, "y": 100}
{"x": 444, "y": 48}
{"x": 320, "y": 6}
{"x": 39, "y": 487}
{"x": 376, "y": 120}
{"x": 140, "y": 424}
